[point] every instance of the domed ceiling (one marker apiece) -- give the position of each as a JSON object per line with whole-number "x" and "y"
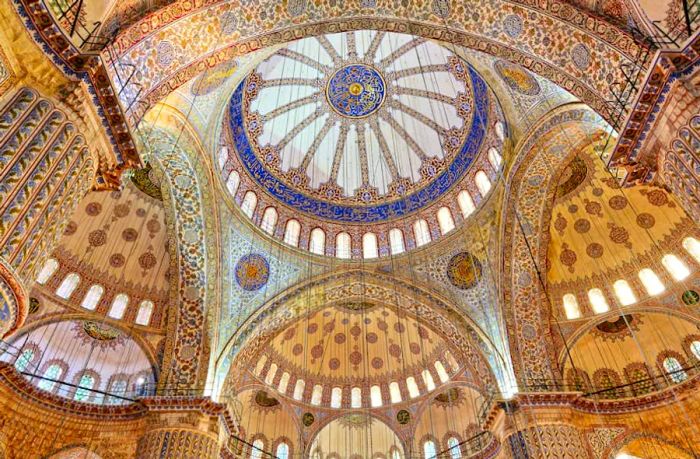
{"x": 359, "y": 127}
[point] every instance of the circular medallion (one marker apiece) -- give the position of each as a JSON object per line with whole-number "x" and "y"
{"x": 252, "y": 272}
{"x": 691, "y": 297}
{"x": 464, "y": 270}
{"x": 307, "y": 419}
{"x": 356, "y": 91}
{"x": 403, "y": 417}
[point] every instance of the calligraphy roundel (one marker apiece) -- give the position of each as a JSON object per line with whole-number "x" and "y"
{"x": 464, "y": 270}
{"x": 252, "y": 272}
{"x": 356, "y": 91}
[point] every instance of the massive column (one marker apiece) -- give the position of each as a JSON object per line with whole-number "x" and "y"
{"x": 45, "y": 168}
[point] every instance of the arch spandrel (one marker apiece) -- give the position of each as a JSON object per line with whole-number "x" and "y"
{"x": 571, "y": 55}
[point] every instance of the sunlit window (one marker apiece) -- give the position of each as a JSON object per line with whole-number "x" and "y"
{"x": 232, "y": 182}
{"x": 651, "y": 281}
{"x": 695, "y": 349}
{"x": 223, "y": 156}
{"x": 317, "y": 241}
{"x": 92, "y": 297}
{"x": 466, "y": 203}
{"x": 299, "y": 389}
{"x": 571, "y": 308}
{"x": 356, "y": 397}
{"x": 445, "y": 220}
{"x": 291, "y": 233}
{"x": 598, "y": 302}
{"x": 394, "y": 392}
{"x": 429, "y": 451}
{"x": 257, "y": 449}
{"x": 442, "y": 374}
{"x": 284, "y": 382}
{"x": 396, "y": 242}
{"x": 428, "y": 380}
{"x": 500, "y": 131}
{"x": 624, "y": 292}
{"x": 52, "y": 373}
{"x": 674, "y": 369}
{"x": 413, "y": 391}
{"x": 692, "y": 246}
{"x": 369, "y": 246}
{"x": 143, "y": 316}
{"x": 269, "y": 220}
{"x": 343, "y": 243}
{"x": 116, "y": 387}
{"x": 68, "y": 286}
{"x": 316, "y": 394}
{"x": 260, "y": 365}
{"x": 494, "y": 158}
{"x": 421, "y": 232}
{"x": 336, "y": 397}
{"x": 26, "y": 357}
{"x": 86, "y": 383}
{"x": 47, "y": 271}
{"x": 270, "y": 376}
{"x": 250, "y": 201}
{"x": 375, "y": 396}
{"x": 282, "y": 451}
{"x": 675, "y": 267}
{"x": 455, "y": 450}
{"x": 118, "y": 306}
{"x": 483, "y": 184}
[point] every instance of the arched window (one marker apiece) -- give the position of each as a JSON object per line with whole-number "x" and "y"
{"x": 500, "y": 131}
{"x": 651, "y": 281}
{"x": 86, "y": 383}
{"x": 116, "y": 387}
{"x": 92, "y": 297}
{"x": 343, "y": 243}
{"x": 421, "y": 232}
{"x": 395, "y": 453}
{"x": 284, "y": 382}
{"x": 52, "y": 373}
{"x": 282, "y": 451}
{"x": 316, "y": 394}
{"x": 413, "y": 391}
{"x": 483, "y": 184}
{"x": 494, "y": 158}
{"x": 675, "y": 370}
{"x": 260, "y": 365}
{"x": 232, "y": 182}
{"x": 369, "y": 246}
{"x": 375, "y": 396}
{"x": 223, "y": 156}
{"x": 571, "y": 308}
{"x": 455, "y": 450}
{"x": 442, "y": 373}
{"x": 466, "y": 203}
{"x": 299, "y": 389}
{"x": 445, "y": 220}
{"x": 119, "y": 306}
{"x": 257, "y": 449}
{"x": 675, "y": 267}
{"x": 356, "y": 397}
{"x": 598, "y": 302}
{"x": 624, "y": 292}
{"x": 429, "y": 451}
{"x": 143, "y": 316}
{"x": 27, "y": 356}
{"x": 271, "y": 372}
{"x": 428, "y": 380}
{"x": 394, "y": 392}
{"x": 396, "y": 243}
{"x": 336, "y": 397}
{"x": 317, "y": 241}
{"x": 269, "y": 220}
{"x": 68, "y": 286}
{"x": 291, "y": 233}
{"x": 694, "y": 348}
{"x": 47, "y": 271}
{"x": 250, "y": 201}
{"x": 692, "y": 246}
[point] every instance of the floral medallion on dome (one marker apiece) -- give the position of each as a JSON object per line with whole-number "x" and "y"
{"x": 517, "y": 78}
{"x": 252, "y": 272}
{"x": 618, "y": 329}
{"x": 356, "y": 91}
{"x": 99, "y": 334}
{"x": 464, "y": 270}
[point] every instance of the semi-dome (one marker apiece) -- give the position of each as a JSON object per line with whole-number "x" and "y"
{"x": 360, "y": 131}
